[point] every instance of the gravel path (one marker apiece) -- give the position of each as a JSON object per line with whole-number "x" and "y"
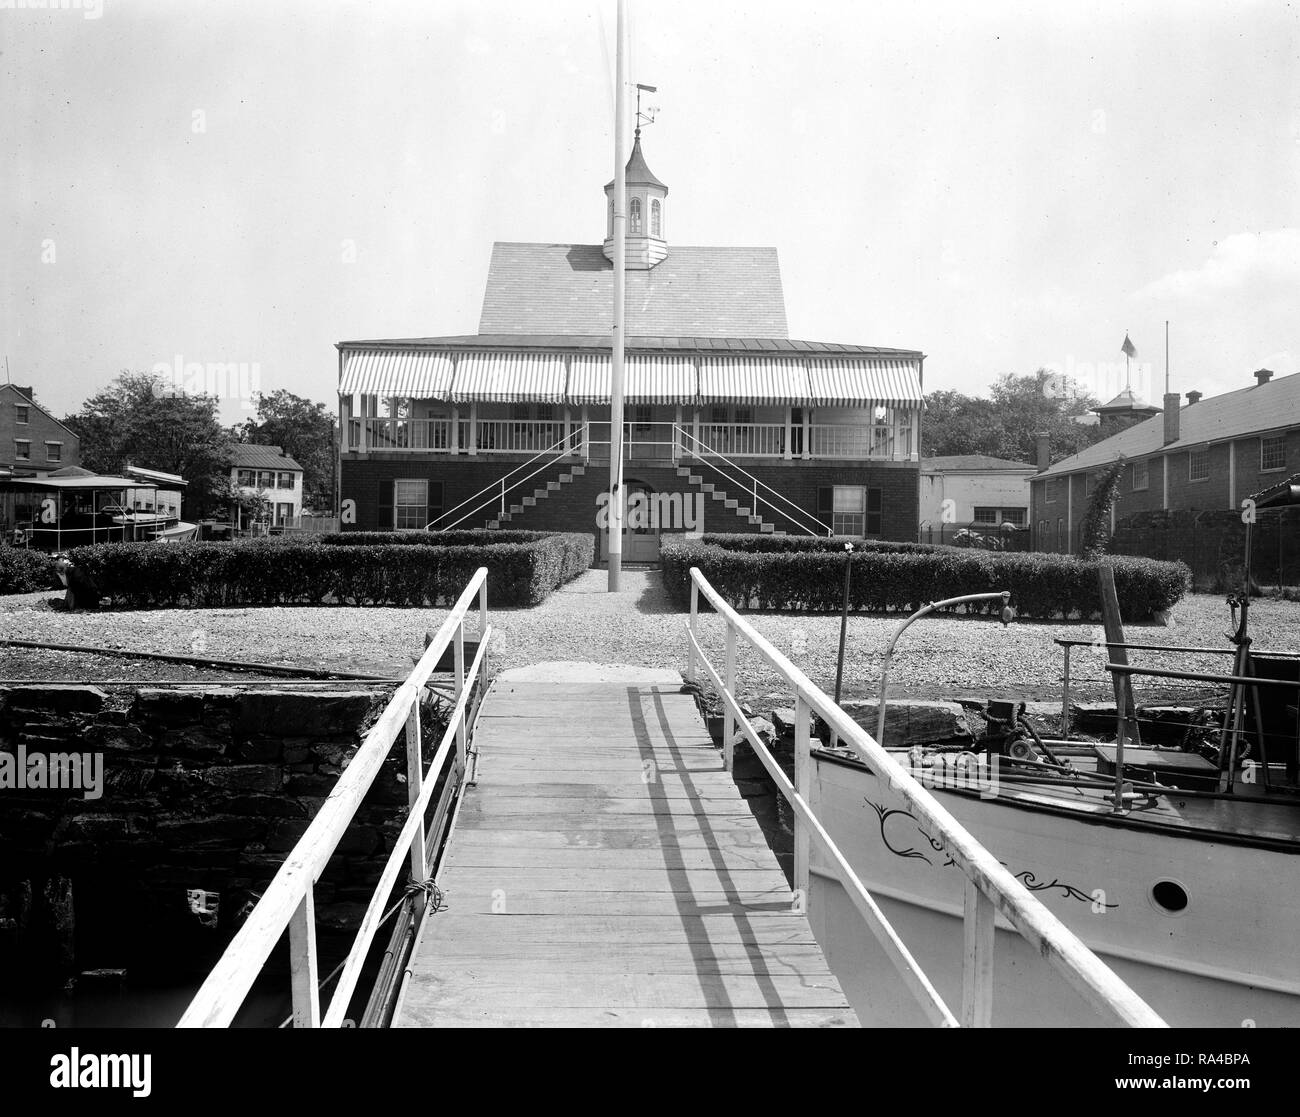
{"x": 938, "y": 657}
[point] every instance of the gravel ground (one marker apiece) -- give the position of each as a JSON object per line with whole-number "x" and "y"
{"x": 938, "y": 657}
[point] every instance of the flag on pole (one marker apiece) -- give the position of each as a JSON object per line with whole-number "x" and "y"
{"x": 1127, "y": 348}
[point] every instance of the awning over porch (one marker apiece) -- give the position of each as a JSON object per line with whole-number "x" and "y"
{"x": 648, "y": 378}
{"x": 777, "y": 382}
{"x": 509, "y": 377}
{"x": 409, "y": 373}
{"x": 838, "y": 382}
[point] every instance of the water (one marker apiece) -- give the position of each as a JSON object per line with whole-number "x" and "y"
{"x": 101, "y": 1006}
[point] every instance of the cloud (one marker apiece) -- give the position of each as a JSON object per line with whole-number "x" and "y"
{"x": 1238, "y": 263}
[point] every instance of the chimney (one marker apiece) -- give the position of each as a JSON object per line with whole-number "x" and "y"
{"x": 1044, "y": 443}
{"x": 1171, "y": 416}
{"x": 1194, "y": 397}
{"x": 1263, "y": 376}
{"x": 24, "y": 392}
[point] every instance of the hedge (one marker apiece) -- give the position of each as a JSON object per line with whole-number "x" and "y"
{"x": 262, "y": 572}
{"x": 754, "y": 543}
{"x": 810, "y": 578}
{"x": 24, "y": 571}
{"x": 470, "y": 537}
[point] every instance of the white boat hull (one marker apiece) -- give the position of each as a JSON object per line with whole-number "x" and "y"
{"x": 1229, "y": 959}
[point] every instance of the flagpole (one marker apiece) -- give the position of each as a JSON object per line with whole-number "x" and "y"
{"x": 616, "y": 502}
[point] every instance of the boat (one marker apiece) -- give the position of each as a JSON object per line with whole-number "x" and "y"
{"x": 1178, "y": 866}
{"x": 73, "y": 507}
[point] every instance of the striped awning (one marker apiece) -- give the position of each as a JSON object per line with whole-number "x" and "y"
{"x": 649, "y": 378}
{"x": 410, "y": 373}
{"x": 849, "y": 382}
{"x": 778, "y": 382}
{"x": 511, "y": 377}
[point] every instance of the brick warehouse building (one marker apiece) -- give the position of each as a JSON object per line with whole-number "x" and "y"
{"x": 1206, "y": 456}
{"x": 510, "y": 426}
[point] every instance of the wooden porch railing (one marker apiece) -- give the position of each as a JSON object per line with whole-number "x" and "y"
{"x": 990, "y": 889}
{"x": 288, "y": 902}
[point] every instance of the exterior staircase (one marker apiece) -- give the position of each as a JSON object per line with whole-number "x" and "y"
{"x": 565, "y": 478}
{"x": 731, "y": 503}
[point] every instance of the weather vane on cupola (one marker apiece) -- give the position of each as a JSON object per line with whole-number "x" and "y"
{"x": 649, "y": 115}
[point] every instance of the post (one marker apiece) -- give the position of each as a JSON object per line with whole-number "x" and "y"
{"x": 844, "y": 619}
{"x": 615, "y": 545}
{"x": 691, "y": 673}
{"x": 1116, "y": 653}
{"x": 302, "y": 963}
{"x": 473, "y": 429}
{"x": 977, "y": 962}
{"x": 789, "y": 430}
{"x": 482, "y": 634}
{"x": 414, "y": 782}
{"x": 677, "y": 437}
{"x": 1065, "y": 696}
{"x": 695, "y": 431}
{"x": 802, "y": 785}
{"x": 729, "y": 719}
{"x": 453, "y": 435}
{"x": 503, "y": 496}
{"x": 462, "y": 737}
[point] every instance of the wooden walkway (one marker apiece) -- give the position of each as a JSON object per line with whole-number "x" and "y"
{"x": 605, "y": 871}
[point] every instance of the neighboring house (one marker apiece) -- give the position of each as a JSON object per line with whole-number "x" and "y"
{"x": 32, "y": 441}
{"x": 272, "y": 474}
{"x": 723, "y": 410}
{"x": 972, "y": 491}
{"x": 1209, "y": 454}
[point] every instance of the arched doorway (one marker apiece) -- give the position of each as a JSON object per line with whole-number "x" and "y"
{"x": 640, "y": 525}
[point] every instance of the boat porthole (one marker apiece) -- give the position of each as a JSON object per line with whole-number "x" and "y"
{"x": 1169, "y": 896}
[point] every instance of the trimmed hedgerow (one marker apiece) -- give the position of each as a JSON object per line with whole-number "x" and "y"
{"x": 811, "y": 579}
{"x": 262, "y": 572}
{"x": 24, "y": 571}
{"x": 753, "y": 543}
{"x": 470, "y": 537}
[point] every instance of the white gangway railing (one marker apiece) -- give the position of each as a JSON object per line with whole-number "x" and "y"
{"x": 990, "y": 887}
{"x": 288, "y": 903}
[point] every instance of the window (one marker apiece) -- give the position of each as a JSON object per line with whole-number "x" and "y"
{"x": 1060, "y": 535}
{"x": 22, "y": 450}
{"x": 1198, "y": 465}
{"x": 1141, "y": 474}
{"x": 286, "y": 481}
{"x": 22, "y": 413}
{"x": 656, "y": 219}
{"x": 546, "y": 412}
{"x": 642, "y": 415}
{"x": 246, "y": 478}
{"x": 54, "y": 451}
{"x": 410, "y": 505}
{"x": 283, "y": 512}
{"x": 744, "y": 415}
{"x": 718, "y": 415}
{"x": 1272, "y": 452}
{"x": 1000, "y": 516}
{"x": 1049, "y": 490}
{"x": 265, "y": 479}
{"x": 851, "y": 510}
{"x": 634, "y": 216}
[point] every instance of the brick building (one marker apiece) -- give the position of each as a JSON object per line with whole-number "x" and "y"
{"x": 1205, "y": 455}
{"x": 725, "y": 415}
{"x": 32, "y": 441}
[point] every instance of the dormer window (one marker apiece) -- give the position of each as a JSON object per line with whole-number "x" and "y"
{"x": 656, "y": 219}
{"x": 634, "y": 216}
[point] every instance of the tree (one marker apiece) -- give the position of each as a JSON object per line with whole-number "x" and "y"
{"x": 1095, "y": 530}
{"x": 305, "y": 431}
{"x": 1007, "y": 424}
{"x": 140, "y": 419}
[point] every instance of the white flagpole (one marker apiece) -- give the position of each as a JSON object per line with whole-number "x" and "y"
{"x": 616, "y": 501}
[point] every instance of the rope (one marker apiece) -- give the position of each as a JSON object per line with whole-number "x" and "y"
{"x": 429, "y": 888}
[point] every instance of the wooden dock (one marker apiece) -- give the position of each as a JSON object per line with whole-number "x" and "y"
{"x": 605, "y": 871}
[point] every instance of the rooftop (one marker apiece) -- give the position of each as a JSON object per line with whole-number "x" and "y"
{"x": 248, "y": 455}
{"x": 1253, "y": 410}
{"x": 569, "y": 289}
{"x": 971, "y": 463}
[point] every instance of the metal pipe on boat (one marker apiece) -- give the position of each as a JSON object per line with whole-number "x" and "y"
{"x": 1005, "y": 617}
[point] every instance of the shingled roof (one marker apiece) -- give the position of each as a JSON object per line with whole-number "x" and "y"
{"x": 569, "y": 289}
{"x": 248, "y": 455}
{"x": 1255, "y": 410}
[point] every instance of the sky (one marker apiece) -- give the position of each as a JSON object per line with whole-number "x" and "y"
{"x": 1003, "y": 186}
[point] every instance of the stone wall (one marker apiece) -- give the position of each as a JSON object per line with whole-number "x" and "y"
{"x": 203, "y": 790}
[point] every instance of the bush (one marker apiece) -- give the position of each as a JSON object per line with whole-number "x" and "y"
{"x": 261, "y": 572}
{"x": 24, "y": 571}
{"x": 470, "y": 537}
{"x": 809, "y": 577}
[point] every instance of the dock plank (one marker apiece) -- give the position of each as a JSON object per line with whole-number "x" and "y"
{"x": 604, "y": 871}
